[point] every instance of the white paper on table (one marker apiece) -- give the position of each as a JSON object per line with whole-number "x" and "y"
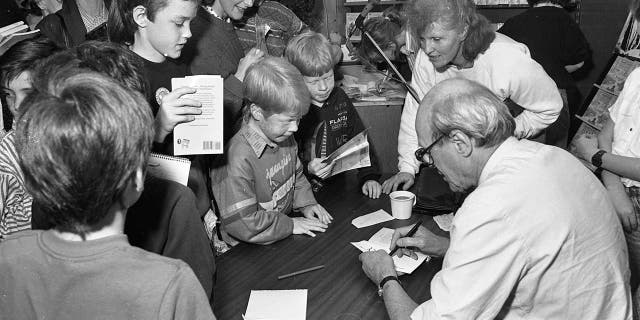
{"x": 277, "y": 304}
{"x": 444, "y": 221}
{"x": 372, "y": 218}
{"x": 204, "y": 135}
{"x": 381, "y": 240}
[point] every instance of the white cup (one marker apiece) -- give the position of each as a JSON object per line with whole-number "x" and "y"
{"x": 402, "y": 203}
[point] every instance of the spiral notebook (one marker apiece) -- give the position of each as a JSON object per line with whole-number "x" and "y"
{"x": 168, "y": 167}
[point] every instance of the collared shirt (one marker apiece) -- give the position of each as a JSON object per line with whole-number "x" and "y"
{"x": 625, "y": 113}
{"x": 507, "y": 70}
{"x": 259, "y": 185}
{"x": 537, "y": 239}
{"x": 15, "y": 201}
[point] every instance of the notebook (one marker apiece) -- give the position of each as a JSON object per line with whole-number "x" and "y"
{"x": 170, "y": 168}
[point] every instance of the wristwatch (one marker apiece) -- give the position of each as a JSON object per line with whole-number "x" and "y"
{"x": 596, "y": 159}
{"x": 385, "y": 280}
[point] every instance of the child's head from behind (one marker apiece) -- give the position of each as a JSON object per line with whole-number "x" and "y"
{"x": 315, "y": 57}
{"x": 83, "y": 141}
{"x": 276, "y": 97}
{"x": 158, "y": 28}
{"x": 387, "y": 32}
{"x": 17, "y": 65}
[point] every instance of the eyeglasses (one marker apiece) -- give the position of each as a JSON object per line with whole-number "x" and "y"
{"x": 421, "y": 152}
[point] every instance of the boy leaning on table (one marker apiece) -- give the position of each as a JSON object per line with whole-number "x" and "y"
{"x": 261, "y": 181}
{"x": 332, "y": 119}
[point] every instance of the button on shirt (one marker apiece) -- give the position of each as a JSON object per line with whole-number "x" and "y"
{"x": 537, "y": 239}
{"x": 625, "y": 113}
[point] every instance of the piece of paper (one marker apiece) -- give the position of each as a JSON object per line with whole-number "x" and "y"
{"x": 444, "y": 221}
{"x": 204, "y": 135}
{"x": 277, "y": 304}
{"x": 372, "y": 218}
{"x": 170, "y": 168}
{"x": 381, "y": 240}
{"x": 353, "y": 154}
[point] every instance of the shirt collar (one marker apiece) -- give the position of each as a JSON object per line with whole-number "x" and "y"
{"x": 504, "y": 150}
{"x": 213, "y": 13}
{"x": 256, "y": 139}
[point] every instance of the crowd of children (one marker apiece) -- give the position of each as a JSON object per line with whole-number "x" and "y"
{"x": 72, "y": 165}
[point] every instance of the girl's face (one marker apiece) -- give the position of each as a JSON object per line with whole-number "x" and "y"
{"x": 234, "y": 9}
{"x": 16, "y": 90}
{"x": 442, "y": 45}
{"x": 169, "y": 31}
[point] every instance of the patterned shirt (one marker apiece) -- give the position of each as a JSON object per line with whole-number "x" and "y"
{"x": 15, "y": 201}
{"x": 259, "y": 185}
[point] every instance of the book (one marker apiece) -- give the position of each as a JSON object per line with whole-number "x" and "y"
{"x": 14, "y": 33}
{"x": 353, "y": 154}
{"x": 204, "y": 135}
{"x": 170, "y": 168}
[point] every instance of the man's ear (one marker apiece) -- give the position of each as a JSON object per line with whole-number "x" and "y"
{"x": 256, "y": 112}
{"x": 462, "y": 143}
{"x": 140, "y": 16}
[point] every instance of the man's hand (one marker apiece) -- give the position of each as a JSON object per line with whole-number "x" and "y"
{"x": 372, "y": 189}
{"x": 254, "y": 55}
{"x": 424, "y": 240}
{"x": 174, "y": 110}
{"x": 308, "y": 226}
{"x": 316, "y": 210}
{"x": 586, "y": 146}
{"x": 377, "y": 265}
{"x": 319, "y": 169}
{"x": 625, "y": 209}
{"x": 392, "y": 184}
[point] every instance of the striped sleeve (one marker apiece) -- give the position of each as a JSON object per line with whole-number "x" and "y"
{"x": 15, "y": 202}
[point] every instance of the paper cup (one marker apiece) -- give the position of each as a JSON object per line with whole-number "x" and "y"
{"x": 402, "y": 203}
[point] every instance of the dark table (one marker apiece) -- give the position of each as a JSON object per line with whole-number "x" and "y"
{"x": 339, "y": 291}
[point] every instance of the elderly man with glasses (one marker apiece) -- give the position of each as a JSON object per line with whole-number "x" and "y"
{"x": 536, "y": 238}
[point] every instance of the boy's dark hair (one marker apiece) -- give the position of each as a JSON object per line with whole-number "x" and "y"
{"x": 120, "y": 24}
{"x": 23, "y": 56}
{"x": 81, "y": 140}
{"x": 107, "y": 58}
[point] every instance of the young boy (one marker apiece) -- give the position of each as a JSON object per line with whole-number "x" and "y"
{"x": 332, "y": 120}
{"x": 16, "y": 68}
{"x": 262, "y": 179}
{"x": 84, "y": 142}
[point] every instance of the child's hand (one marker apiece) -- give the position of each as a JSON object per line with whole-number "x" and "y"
{"x": 175, "y": 110}
{"x": 254, "y": 55}
{"x": 372, "y": 189}
{"x": 319, "y": 169}
{"x": 307, "y": 226}
{"x": 317, "y": 210}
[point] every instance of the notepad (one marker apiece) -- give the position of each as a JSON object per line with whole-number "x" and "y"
{"x": 170, "y": 168}
{"x": 277, "y": 304}
{"x": 381, "y": 240}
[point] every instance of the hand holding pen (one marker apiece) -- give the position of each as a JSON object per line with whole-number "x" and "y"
{"x": 417, "y": 237}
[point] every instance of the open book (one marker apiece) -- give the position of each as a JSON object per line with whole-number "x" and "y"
{"x": 14, "y": 33}
{"x": 352, "y": 155}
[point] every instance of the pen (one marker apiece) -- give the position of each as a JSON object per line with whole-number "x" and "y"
{"x": 284, "y": 276}
{"x": 409, "y": 234}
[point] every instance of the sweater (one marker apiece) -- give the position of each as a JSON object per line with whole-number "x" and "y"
{"x": 258, "y": 187}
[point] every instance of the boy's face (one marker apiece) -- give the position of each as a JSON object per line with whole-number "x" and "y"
{"x": 169, "y": 30}
{"x": 16, "y": 90}
{"x": 320, "y": 87}
{"x": 279, "y": 126}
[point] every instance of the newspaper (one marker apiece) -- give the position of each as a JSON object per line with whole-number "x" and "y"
{"x": 203, "y": 135}
{"x": 352, "y": 155}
